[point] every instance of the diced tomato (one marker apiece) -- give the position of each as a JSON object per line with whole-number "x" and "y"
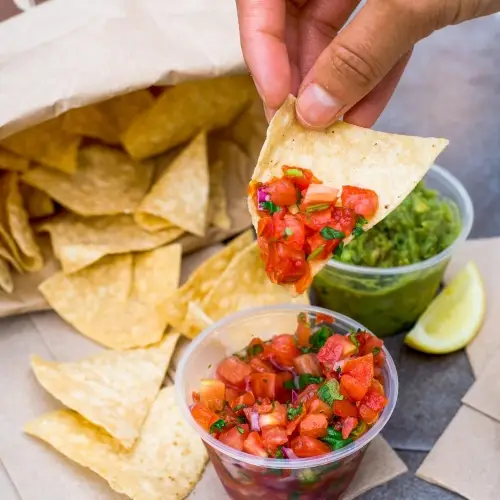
{"x": 233, "y": 371}
{"x": 344, "y": 408}
{"x": 212, "y": 393}
{"x": 336, "y": 347}
{"x": 282, "y": 192}
{"x": 305, "y": 447}
{"x": 196, "y": 397}
{"x": 374, "y": 400}
{"x": 285, "y": 264}
{"x": 305, "y": 281}
{"x": 348, "y": 426}
{"x": 303, "y": 331}
{"x": 316, "y": 220}
{"x": 293, "y": 424}
{"x": 367, "y": 414}
{"x": 324, "y": 318}
{"x": 277, "y": 417}
{"x": 282, "y": 393}
{"x": 320, "y": 248}
{"x": 317, "y": 194}
{"x": 235, "y": 437}
{"x": 203, "y": 415}
{"x": 361, "y": 369}
{"x": 284, "y": 349}
{"x": 377, "y": 387}
{"x": 255, "y": 347}
{"x": 259, "y": 365}
{"x": 343, "y": 219}
{"x": 371, "y": 344}
{"x": 263, "y": 384}
{"x": 301, "y": 181}
{"x": 272, "y": 437}
{"x": 363, "y": 201}
{"x": 246, "y": 399}
{"x": 307, "y": 363}
{"x": 263, "y": 405}
{"x": 231, "y": 394}
{"x": 317, "y": 406}
{"x": 314, "y": 425}
{"x": 308, "y": 393}
{"x": 351, "y": 387}
{"x": 253, "y": 445}
{"x": 265, "y": 227}
{"x": 291, "y": 231}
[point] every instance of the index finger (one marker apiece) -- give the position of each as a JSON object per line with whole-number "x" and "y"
{"x": 262, "y": 34}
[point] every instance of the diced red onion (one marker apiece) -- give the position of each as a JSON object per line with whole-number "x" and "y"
{"x": 280, "y": 367}
{"x": 294, "y": 397}
{"x": 248, "y": 385}
{"x": 191, "y": 406}
{"x": 262, "y": 196}
{"x": 338, "y": 364}
{"x": 288, "y": 452}
{"x": 254, "y": 421}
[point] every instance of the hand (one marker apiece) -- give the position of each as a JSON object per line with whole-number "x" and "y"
{"x": 294, "y": 46}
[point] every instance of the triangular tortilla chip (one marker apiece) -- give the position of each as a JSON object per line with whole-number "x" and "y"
{"x": 217, "y": 205}
{"x": 78, "y": 241}
{"x": 46, "y": 143}
{"x": 180, "y": 196}
{"x": 242, "y": 285}
{"x": 165, "y": 464}
{"x": 107, "y": 120}
{"x": 202, "y": 280}
{"x": 113, "y": 389}
{"x": 344, "y": 154}
{"x": 182, "y": 111}
{"x": 116, "y": 301}
{"x": 38, "y": 204}
{"x": 6, "y": 283}
{"x": 11, "y": 161}
{"x": 17, "y": 231}
{"x": 107, "y": 182}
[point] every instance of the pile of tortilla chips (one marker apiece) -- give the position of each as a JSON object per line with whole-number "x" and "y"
{"x": 129, "y": 174}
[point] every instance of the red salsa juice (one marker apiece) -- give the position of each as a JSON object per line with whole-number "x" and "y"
{"x": 299, "y": 395}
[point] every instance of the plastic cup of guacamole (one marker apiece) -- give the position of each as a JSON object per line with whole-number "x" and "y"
{"x": 387, "y": 277}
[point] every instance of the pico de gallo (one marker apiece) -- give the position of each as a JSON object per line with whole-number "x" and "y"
{"x": 303, "y": 220}
{"x": 297, "y": 395}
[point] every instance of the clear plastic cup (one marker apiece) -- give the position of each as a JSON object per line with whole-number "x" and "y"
{"x": 390, "y": 300}
{"x": 245, "y": 476}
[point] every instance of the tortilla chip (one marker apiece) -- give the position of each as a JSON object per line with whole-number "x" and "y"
{"x": 107, "y": 182}
{"x": 108, "y": 303}
{"x": 6, "y": 283}
{"x": 202, "y": 280}
{"x": 79, "y": 242}
{"x": 344, "y": 154}
{"x": 38, "y": 204}
{"x": 11, "y": 161}
{"x": 180, "y": 196}
{"x": 182, "y": 111}
{"x": 114, "y": 390}
{"x": 243, "y": 284}
{"x": 165, "y": 464}
{"x": 107, "y": 120}
{"x": 46, "y": 143}
{"x": 23, "y": 245}
{"x": 217, "y": 205}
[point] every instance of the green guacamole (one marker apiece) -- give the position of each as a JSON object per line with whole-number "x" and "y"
{"x": 422, "y": 226}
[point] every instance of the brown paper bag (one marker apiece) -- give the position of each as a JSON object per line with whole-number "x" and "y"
{"x": 79, "y": 52}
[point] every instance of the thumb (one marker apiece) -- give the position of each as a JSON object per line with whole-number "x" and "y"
{"x": 360, "y": 56}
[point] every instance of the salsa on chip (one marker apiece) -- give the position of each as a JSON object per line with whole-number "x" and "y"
{"x": 297, "y": 395}
{"x": 312, "y": 192}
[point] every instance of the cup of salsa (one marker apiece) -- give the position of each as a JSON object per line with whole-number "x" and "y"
{"x": 387, "y": 278}
{"x": 286, "y": 399}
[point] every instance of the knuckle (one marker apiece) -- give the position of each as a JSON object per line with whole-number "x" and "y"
{"x": 350, "y": 65}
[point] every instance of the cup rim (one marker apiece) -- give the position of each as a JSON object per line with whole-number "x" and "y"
{"x": 276, "y": 463}
{"x": 467, "y": 222}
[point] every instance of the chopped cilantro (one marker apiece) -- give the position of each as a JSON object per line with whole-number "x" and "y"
{"x": 305, "y": 350}
{"x": 376, "y": 350}
{"x": 357, "y": 231}
{"x": 293, "y": 412}
{"x": 330, "y": 391}
{"x": 361, "y": 221}
{"x": 334, "y": 439}
{"x": 339, "y": 249}
{"x": 240, "y": 429}
{"x": 338, "y": 370}
{"x": 217, "y": 426}
{"x": 279, "y": 453}
{"x": 239, "y": 407}
{"x": 302, "y": 317}
{"x": 354, "y": 339}
{"x": 270, "y": 207}
{"x": 329, "y": 233}
{"x": 288, "y": 384}
{"x": 255, "y": 349}
{"x": 288, "y": 232}
{"x": 319, "y": 337}
{"x": 307, "y": 378}
{"x": 242, "y": 419}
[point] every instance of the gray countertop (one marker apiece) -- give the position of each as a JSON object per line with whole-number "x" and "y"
{"x": 451, "y": 89}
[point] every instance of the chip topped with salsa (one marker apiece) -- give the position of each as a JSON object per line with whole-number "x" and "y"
{"x": 296, "y": 395}
{"x": 312, "y": 191}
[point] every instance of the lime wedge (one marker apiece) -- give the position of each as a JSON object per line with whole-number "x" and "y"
{"x": 454, "y": 317}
